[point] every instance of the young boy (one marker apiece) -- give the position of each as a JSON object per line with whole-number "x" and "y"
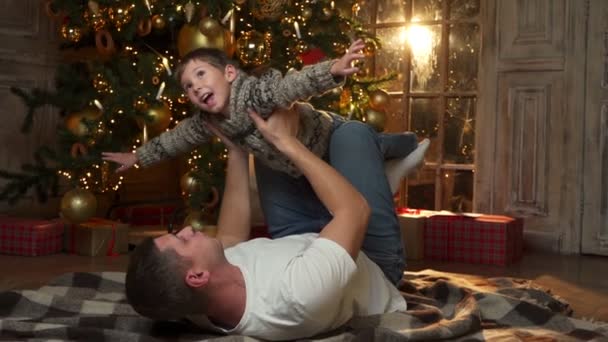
{"x": 224, "y": 94}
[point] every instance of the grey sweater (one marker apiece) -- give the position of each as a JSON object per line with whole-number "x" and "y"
{"x": 264, "y": 94}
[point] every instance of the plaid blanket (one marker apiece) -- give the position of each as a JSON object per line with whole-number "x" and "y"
{"x": 441, "y": 306}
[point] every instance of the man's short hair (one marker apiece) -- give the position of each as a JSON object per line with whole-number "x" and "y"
{"x": 155, "y": 283}
{"x": 215, "y": 57}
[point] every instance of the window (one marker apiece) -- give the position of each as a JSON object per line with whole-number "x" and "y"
{"x": 433, "y": 46}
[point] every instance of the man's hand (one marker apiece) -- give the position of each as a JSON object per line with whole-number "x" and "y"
{"x": 343, "y": 66}
{"x": 126, "y": 160}
{"x": 279, "y": 128}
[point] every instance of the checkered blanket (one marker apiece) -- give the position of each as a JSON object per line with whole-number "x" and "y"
{"x": 92, "y": 307}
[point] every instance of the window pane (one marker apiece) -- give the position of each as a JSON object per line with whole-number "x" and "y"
{"x": 463, "y": 55}
{"x": 395, "y": 116}
{"x": 424, "y": 43}
{"x": 457, "y": 190}
{"x": 464, "y": 9}
{"x": 389, "y": 59}
{"x": 362, "y": 10}
{"x": 391, "y": 11}
{"x": 427, "y": 10}
{"x": 459, "y": 143}
{"x": 421, "y": 190}
{"x": 424, "y": 114}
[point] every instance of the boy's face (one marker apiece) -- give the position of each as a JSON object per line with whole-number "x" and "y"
{"x": 207, "y": 86}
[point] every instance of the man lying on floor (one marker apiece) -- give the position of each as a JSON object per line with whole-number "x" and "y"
{"x": 287, "y": 288}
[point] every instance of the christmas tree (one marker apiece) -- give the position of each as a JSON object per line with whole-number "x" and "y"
{"x": 120, "y": 92}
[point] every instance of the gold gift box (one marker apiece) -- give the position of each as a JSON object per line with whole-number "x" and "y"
{"x": 412, "y": 223}
{"x": 97, "y": 237}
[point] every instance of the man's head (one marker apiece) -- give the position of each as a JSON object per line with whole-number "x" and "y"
{"x": 205, "y": 75}
{"x": 167, "y": 276}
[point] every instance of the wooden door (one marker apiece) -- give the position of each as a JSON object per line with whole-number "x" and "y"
{"x": 595, "y": 184}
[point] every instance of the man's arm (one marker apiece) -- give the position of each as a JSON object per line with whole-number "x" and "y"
{"x": 233, "y": 224}
{"x": 350, "y": 210}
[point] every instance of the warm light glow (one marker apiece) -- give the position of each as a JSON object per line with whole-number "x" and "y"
{"x": 422, "y": 43}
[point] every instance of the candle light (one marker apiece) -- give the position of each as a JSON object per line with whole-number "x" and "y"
{"x": 160, "y": 90}
{"x": 297, "y": 27}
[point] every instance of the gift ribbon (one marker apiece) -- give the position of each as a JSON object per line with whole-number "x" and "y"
{"x": 408, "y": 211}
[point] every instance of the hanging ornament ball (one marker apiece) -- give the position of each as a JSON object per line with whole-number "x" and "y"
{"x": 376, "y": 119}
{"x": 327, "y": 13}
{"x": 71, "y": 33}
{"x": 158, "y": 119}
{"x": 379, "y": 99}
{"x": 269, "y": 9}
{"x": 78, "y": 205}
{"x": 158, "y": 22}
{"x": 96, "y": 20}
{"x": 74, "y": 122}
{"x": 253, "y": 48}
{"x": 189, "y": 183}
{"x": 120, "y": 16}
{"x": 191, "y": 38}
{"x": 209, "y": 27}
{"x": 307, "y": 13}
{"x": 101, "y": 84}
{"x": 199, "y": 222}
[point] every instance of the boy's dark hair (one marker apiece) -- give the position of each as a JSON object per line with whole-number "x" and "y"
{"x": 155, "y": 284}
{"x": 215, "y": 57}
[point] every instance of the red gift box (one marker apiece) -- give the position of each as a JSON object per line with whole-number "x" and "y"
{"x": 30, "y": 237}
{"x": 486, "y": 239}
{"x": 479, "y": 239}
{"x": 437, "y": 237}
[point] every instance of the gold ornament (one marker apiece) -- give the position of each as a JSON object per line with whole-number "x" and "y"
{"x": 78, "y": 205}
{"x": 71, "y": 33}
{"x": 379, "y": 99}
{"x": 268, "y": 9}
{"x": 120, "y": 16}
{"x": 253, "y": 48}
{"x": 344, "y": 8}
{"x": 307, "y": 13}
{"x": 376, "y": 119}
{"x": 190, "y": 38}
{"x": 209, "y": 27}
{"x": 200, "y": 222}
{"x": 74, "y": 123}
{"x": 158, "y": 22}
{"x": 327, "y": 13}
{"x": 158, "y": 119}
{"x": 94, "y": 17}
{"x": 101, "y": 84}
{"x": 189, "y": 184}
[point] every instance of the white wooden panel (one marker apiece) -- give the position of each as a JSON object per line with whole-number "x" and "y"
{"x": 529, "y": 108}
{"x": 531, "y": 34}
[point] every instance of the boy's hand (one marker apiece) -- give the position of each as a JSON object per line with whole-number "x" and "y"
{"x": 343, "y": 66}
{"x": 126, "y": 160}
{"x": 279, "y": 128}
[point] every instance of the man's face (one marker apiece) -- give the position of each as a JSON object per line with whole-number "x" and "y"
{"x": 202, "y": 250}
{"x": 207, "y": 86}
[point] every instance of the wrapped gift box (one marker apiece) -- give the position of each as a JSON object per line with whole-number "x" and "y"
{"x": 437, "y": 236}
{"x": 30, "y": 237}
{"x": 145, "y": 215}
{"x": 412, "y": 223}
{"x": 97, "y": 237}
{"x": 486, "y": 239}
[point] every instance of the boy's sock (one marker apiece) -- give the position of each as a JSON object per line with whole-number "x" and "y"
{"x": 398, "y": 169}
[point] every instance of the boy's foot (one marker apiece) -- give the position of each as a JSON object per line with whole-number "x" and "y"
{"x": 397, "y": 169}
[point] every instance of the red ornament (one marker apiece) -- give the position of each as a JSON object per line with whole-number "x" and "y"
{"x": 312, "y": 56}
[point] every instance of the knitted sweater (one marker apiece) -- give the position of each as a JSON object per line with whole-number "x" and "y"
{"x": 264, "y": 94}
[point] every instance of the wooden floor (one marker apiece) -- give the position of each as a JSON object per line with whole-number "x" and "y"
{"x": 581, "y": 280}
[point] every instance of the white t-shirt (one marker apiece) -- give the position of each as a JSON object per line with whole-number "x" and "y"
{"x": 301, "y": 285}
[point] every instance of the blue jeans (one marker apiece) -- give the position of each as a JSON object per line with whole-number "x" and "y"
{"x": 356, "y": 151}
